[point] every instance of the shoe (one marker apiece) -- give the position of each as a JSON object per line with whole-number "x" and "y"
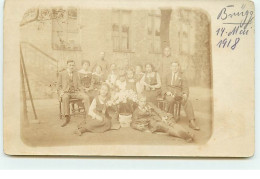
{"x": 66, "y": 121}
{"x": 193, "y": 125}
{"x": 64, "y": 124}
{"x": 147, "y": 131}
{"x": 190, "y": 138}
{"x": 77, "y": 132}
{"x": 115, "y": 126}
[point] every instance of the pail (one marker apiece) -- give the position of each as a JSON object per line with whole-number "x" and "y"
{"x": 125, "y": 120}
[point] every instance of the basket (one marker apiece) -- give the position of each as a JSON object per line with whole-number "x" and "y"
{"x": 125, "y": 120}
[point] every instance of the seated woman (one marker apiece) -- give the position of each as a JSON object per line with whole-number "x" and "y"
{"x": 97, "y": 77}
{"x": 121, "y": 87}
{"x": 112, "y": 76}
{"x": 120, "y": 84}
{"x": 96, "y": 81}
{"x": 147, "y": 117}
{"x": 138, "y": 76}
{"x": 152, "y": 84}
{"x": 130, "y": 81}
{"x": 101, "y": 117}
{"x": 85, "y": 76}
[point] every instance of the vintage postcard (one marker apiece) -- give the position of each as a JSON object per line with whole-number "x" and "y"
{"x": 129, "y": 78}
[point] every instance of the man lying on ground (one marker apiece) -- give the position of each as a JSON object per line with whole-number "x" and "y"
{"x": 148, "y": 118}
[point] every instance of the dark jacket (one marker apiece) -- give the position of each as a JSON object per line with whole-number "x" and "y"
{"x": 179, "y": 86}
{"x": 63, "y": 81}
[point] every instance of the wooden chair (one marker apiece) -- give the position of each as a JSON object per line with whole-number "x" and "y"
{"x": 176, "y": 108}
{"x": 161, "y": 103}
{"x": 76, "y": 108}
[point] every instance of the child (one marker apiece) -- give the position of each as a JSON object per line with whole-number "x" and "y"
{"x": 121, "y": 81}
{"x": 111, "y": 79}
{"x": 138, "y": 76}
{"x": 147, "y": 117}
{"x": 101, "y": 117}
{"x": 130, "y": 81}
{"x": 138, "y": 72}
{"x": 97, "y": 77}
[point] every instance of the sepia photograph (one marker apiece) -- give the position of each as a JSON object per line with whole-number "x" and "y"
{"x": 115, "y": 76}
{"x": 126, "y": 76}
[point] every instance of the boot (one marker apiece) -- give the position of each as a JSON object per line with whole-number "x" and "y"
{"x": 67, "y": 120}
{"x": 115, "y": 126}
{"x": 78, "y": 132}
{"x": 181, "y": 133}
{"x": 189, "y": 138}
{"x": 193, "y": 125}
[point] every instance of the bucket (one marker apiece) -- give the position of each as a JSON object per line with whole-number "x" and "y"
{"x": 125, "y": 120}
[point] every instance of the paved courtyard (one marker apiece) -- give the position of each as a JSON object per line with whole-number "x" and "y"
{"x": 49, "y": 133}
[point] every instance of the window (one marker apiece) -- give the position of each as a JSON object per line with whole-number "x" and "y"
{"x": 65, "y": 31}
{"x": 121, "y": 30}
{"x": 153, "y": 31}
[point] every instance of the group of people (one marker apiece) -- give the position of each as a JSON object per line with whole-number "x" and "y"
{"x": 97, "y": 85}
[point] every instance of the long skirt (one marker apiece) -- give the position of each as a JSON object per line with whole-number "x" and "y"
{"x": 92, "y": 94}
{"x": 109, "y": 122}
{"x": 152, "y": 95}
{"x": 94, "y": 125}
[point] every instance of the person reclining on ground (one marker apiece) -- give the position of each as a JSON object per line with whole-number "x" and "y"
{"x": 148, "y": 117}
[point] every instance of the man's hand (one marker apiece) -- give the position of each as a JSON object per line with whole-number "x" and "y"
{"x": 152, "y": 87}
{"x": 168, "y": 93}
{"x": 164, "y": 118}
{"x": 61, "y": 93}
{"x": 185, "y": 97}
{"x": 140, "y": 126}
{"x": 99, "y": 118}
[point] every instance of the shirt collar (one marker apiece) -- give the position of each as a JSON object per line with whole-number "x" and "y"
{"x": 175, "y": 73}
{"x": 84, "y": 71}
{"x": 69, "y": 71}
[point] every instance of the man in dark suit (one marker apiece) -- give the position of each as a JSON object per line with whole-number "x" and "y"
{"x": 103, "y": 63}
{"x": 175, "y": 87}
{"x": 69, "y": 87}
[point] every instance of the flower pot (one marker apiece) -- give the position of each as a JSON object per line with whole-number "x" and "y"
{"x": 125, "y": 119}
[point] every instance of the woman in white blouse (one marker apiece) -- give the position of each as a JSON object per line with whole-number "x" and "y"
{"x": 101, "y": 117}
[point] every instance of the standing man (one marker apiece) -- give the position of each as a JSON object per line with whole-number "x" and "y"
{"x": 175, "y": 87}
{"x": 103, "y": 63}
{"x": 163, "y": 66}
{"x": 69, "y": 87}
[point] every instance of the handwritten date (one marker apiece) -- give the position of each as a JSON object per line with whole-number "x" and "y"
{"x": 228, "y": 43}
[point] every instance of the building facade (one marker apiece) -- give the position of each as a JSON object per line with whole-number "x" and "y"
{"x": 54, "y": 35}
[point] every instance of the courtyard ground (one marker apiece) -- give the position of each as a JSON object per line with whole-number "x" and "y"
{"x": 49, "y": 133}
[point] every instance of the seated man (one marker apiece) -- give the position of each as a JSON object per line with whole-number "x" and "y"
{"x": 147, "y": 117}
{"x": 69, "y": 87}
{"x": 175, "y": 87}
